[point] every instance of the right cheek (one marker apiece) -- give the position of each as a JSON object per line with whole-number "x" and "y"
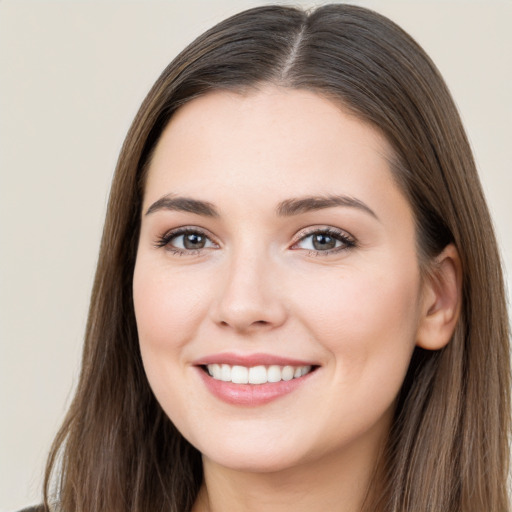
{"x": 168, "y": 308}
{"x": 159, "y": 341}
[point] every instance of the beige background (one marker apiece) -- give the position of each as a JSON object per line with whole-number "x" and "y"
{"x": 72, "y": 75}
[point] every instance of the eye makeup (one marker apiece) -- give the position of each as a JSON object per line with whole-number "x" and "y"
{"x": 187, "y": 240}
{"x": 324, "y": 241}
{"x": 191, "y": 240}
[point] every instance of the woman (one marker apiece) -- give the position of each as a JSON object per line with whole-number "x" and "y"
{"x": 298, "y": 300}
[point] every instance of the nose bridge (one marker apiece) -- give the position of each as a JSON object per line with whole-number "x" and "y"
{"x": 249, "y": 297}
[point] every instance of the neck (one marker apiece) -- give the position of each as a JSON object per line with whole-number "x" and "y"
{"x": 339, "y": 482}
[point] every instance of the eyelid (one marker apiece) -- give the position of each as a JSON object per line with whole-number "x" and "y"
{"x": 345, "y": 237}
{"x": 163, "y": 241}
{"x": 322, "y": 228}
{"x": 348, "y": 241}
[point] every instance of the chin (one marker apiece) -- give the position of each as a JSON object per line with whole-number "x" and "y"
{"x": 253, "y": 455}
{"x": 261, "y": 462}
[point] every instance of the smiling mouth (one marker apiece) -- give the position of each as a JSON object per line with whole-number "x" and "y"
{"x": 260, "y": 374}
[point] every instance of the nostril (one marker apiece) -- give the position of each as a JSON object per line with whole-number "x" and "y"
{"x": 256, "y": 323}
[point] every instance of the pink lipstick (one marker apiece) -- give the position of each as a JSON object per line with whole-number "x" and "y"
{"x": 254, "y": 379}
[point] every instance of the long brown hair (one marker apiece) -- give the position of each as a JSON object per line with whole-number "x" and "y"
{"x": 448, "y": 447}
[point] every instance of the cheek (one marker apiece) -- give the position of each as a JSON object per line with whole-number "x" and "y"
{"x": 167, "y": 306}
{"x": 169, "y": 309}
{"x": 367, "y": 320}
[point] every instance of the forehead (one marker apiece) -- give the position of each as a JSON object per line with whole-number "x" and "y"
{"x": 274, "y": 141}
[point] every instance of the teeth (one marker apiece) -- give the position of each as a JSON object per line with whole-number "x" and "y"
{"x": 287, "y": 373}
{"x": 256, "y": 374}
{"x": 240, "y": 375}
{"x": 214, "y": 370}
{"x": 225, "y": 373}
{"x": 274, "y": 374}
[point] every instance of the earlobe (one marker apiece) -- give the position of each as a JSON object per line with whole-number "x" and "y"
{"x": 442, "y": 300}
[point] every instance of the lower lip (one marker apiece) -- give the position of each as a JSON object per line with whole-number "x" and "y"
{"x": 250, "y": 394}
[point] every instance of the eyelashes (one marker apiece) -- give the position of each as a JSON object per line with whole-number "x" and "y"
{"x": 323, "y": 241}
{"x": 190, "y": 241}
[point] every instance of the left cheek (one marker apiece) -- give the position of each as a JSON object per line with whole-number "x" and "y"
{"x": 367, "y": 322}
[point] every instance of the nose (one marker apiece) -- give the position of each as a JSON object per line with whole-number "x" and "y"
{"x": 250, "y": 296}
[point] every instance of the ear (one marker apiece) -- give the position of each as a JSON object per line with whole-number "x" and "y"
{"x": 441, "y": 301}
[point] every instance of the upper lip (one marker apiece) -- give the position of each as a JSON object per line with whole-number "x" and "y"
{"x": 250, "y": 360}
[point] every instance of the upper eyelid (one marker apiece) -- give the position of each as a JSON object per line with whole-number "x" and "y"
{"x": 310, "y": 230}
{"x": 183, "y": 230}
{"x": 321, "y": 229}
{"x": 347, "y": 240}
{"x": 165, "y": 239}
{"x": 300, "y": 235}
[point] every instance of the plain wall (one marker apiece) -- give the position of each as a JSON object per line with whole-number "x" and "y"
{"x": 72, "y": 75}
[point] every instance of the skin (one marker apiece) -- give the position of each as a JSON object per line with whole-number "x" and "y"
{"x": 258, "y": 287}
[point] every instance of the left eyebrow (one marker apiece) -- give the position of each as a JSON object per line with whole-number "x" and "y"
{"x": 183, "y": 204}
{"x": 299, "y": 205}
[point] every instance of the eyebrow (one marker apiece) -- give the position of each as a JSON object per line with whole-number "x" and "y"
{"x": 183, "y": 204}
{"x": 286, "y": 208}
{"x": 297, "y": 206}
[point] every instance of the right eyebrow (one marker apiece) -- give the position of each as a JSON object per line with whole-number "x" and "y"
{"x": 183, "y": 204}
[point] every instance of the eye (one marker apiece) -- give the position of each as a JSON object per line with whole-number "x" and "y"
{"x": 186, "y": 240}
{"x": 327, "y": 240}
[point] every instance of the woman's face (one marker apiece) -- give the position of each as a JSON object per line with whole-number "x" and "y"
{"x": 277, "y": 254}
